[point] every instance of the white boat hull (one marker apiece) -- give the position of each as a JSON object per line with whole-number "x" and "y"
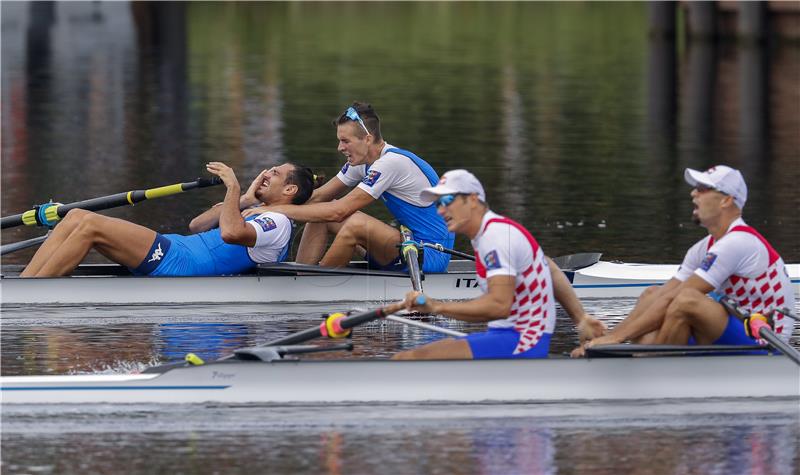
{"x": 601, "y": 280}
{"x": 383, "y": 381}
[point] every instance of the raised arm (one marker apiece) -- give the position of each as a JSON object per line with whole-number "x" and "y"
{"x": 233, "y": 228}
{"x": 209, "y": 219}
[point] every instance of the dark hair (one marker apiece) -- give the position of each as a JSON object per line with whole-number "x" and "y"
{"x": 306, "y": 182}
{"x": 371, "y": 120}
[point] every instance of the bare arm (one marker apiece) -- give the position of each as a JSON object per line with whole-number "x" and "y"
{"x": 331, "y": 211}
{"x": 209, "y": 219}
{"x": 493, "y": 305}
{"x": 332, "y": 189}
{"x": 233, "y": 228}
{"x": 588, "y": 326}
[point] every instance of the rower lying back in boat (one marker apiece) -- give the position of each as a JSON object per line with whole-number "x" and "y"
{"x": 235, "y": 246}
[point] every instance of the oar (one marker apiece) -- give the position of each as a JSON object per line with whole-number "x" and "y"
{"x": 47, "y": 214}
{"x": 573, "y": 262}
{"x": 17, "y": 246}
{"x": 411, "y": 255}
{"x": 452, "y": 252}
{"x": 761, "y": 330}
{"x": 433, "y": 328}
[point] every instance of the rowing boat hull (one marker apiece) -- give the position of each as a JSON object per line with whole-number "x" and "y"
{"x": 383, "y": 381}
{"x": 601, "y": 280}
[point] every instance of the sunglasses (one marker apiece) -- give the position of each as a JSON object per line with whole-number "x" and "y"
{"x": 352, "y": 114}
{"x": 445, "y": 200}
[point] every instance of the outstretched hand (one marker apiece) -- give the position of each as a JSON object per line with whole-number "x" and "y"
{"x": 590, "y": 328}
{"x": 223, "y": 171}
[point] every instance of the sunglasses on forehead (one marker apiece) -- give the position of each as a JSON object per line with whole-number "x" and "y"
{"x": 352, "y": 114}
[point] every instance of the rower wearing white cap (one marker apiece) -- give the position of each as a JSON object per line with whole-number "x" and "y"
{"x": 734, "y": 260}
{"x": 518, "y": 282}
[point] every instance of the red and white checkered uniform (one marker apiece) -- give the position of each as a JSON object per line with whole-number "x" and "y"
{"x": 745, "y": 267}
{"x": 504, "y": 247}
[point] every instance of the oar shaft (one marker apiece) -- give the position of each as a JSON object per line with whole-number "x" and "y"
{"x": 423, "y": 325}
{"x": 346, "y": 323}
{"x": 452, "y": 252}
{"x": 56, "y": 212}
{"x": 764, "y": 332}
{"x": 17, "y": 246}
{"x": 411, "y": 256}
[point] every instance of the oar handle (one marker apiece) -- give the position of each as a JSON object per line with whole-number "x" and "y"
{"x": 763, "y": 331}
{"x": 49, "y": 213}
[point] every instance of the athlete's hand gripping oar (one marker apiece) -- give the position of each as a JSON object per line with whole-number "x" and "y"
{"x": 416, "y": 298}
{"x": 411, "y": 255}
{"x": 757, "y": 327}
{"x": 49, "y": 213}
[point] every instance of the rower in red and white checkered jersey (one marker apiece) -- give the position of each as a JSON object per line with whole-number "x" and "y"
{"x": 745, "y": 267}
{"x": 520, "y": 284}
{"x": 734, "y": 260}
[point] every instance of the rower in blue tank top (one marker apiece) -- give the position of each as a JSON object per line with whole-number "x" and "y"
{"x": 374, "y": 170}
{"x": 224, "y": 242}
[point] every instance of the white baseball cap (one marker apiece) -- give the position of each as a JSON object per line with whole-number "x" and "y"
{"x": 722, "y": 178}
{"x": 452, "y": 182}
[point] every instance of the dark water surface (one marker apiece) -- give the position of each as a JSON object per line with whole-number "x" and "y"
{"x": 577, "y": 123}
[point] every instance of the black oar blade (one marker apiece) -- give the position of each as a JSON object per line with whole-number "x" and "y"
{"x": 572, "y": 262}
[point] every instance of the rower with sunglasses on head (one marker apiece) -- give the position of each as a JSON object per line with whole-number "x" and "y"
{"x": 734, "y": 261}
{"x": 374, "y": 170}
{"x": 518, "y": 281}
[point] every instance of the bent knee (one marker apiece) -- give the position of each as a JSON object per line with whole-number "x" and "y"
{"x": 685, "y": 301}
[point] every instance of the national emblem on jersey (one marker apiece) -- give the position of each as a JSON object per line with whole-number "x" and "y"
{"x": 345, "y": 168}
{"x": 708, "y": 261}
{"x": 491, "y": 261}
{"x": 371, "y": 177}
{"x": 266, "y": 223}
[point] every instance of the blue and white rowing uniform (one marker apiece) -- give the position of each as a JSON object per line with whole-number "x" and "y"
{"x": 398, "y": 177}
{"x": 207, "y": 254}
{"x": 744, "y": 266}
{"x": 505, "y": 247}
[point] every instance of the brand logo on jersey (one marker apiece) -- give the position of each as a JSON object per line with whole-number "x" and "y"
{"x": 345, "y": 168}
{"x": 157, "y": 254}
{"x": 371, "y": 178}
{"x": 491, "y": 260}
{"x": 266, "y": 223}
{"x": 708, "y": 261}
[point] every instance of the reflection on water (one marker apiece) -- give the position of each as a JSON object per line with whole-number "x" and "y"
{"x": 714, "y": 437}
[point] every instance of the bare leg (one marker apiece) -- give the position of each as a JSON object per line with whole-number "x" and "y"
{"x": 121, "y": 241}
{"x": 60, "y": 233}
{"x": 378, "y": 238}
{"x": 314, "y": 241}
{"x": 449, "y": 349}
{"x": 693, "y": 313}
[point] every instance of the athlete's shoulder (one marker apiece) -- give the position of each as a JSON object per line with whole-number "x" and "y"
{"x": 270, "y": 220}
